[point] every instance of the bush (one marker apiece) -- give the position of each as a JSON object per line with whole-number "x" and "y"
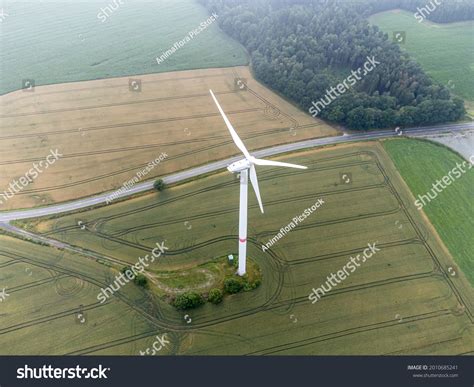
{"x": 188, "y": 300}
{"x": 125, "y": 268}
{"x": 248, "y": 286}
{"x": 159, "y": 185}
{"x": 141, "y": 280}
{"x": 215, "y": 296}
{"x": 252, "y": 285}
{"x": 233, "y": 285}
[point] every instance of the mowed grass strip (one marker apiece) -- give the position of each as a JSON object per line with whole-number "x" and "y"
{"x": 421, "y": 164}
{"x": 445, "y": 51}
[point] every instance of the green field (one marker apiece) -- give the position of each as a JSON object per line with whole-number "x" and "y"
{"x": 445, "y": 51}
{"x": 452, "y": 211}
{"x": 401, "y": 301}
{"x": 54, "y": 42}
{"x": 52, "y": 306}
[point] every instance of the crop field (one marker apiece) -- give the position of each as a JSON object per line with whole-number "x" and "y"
{"x": 53, "y": 295}
{"x": 107, "y": 132}
{"x": 403, "y": 300}
{"x": 452, "y": 211}
{"x": 453, "y": 65}
{"x": 55, "y": 42}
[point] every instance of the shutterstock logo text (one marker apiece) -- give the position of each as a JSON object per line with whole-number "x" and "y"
{"x": 50, "y": 372}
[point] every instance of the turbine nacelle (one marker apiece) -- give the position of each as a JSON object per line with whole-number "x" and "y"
{"x": 239, "y": 166}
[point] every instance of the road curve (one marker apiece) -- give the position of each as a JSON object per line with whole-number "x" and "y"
{"x": 222, "y": 164}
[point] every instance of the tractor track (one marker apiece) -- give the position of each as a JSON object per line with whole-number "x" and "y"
{"x": 263, "y": 177}
{"x": 347, "y": 332}
{"x": 142, "y": 101}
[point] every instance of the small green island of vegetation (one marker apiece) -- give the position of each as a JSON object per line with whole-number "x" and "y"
{"x": 210, "y": 282}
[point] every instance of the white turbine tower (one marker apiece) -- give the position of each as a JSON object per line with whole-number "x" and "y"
{"x": 243, "y": 167}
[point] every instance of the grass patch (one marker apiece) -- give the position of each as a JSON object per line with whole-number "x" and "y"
{"x": 186, "y": 288}
{"x": 443, "y": 50}
{"x": 421, "y": 163}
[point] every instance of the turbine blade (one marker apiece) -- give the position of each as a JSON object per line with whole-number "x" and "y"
{"x": 232, "y": 131}
{"x": 254, "y": 181}
{"x": 277, "y": 163}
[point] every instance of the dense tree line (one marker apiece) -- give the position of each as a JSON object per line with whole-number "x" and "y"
{"x": 301, "y": 48}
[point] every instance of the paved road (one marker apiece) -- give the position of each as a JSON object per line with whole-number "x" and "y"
{"x": 222, "y": 164}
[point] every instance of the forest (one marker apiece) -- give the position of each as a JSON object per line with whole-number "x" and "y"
{"x": 302, "y": 48}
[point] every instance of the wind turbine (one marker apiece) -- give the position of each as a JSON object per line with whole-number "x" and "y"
{"x": 243, "y": 167}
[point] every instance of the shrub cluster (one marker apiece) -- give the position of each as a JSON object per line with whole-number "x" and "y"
{"x": 139, "y": 279}
{"x": 188, "y": 300}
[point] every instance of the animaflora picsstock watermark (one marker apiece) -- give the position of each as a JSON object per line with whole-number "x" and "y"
{"x": 189, "y": 36}
{"x": 128, "y": 185}
{"x": 350, "y": 267}
{"x": 294, "y": 222}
